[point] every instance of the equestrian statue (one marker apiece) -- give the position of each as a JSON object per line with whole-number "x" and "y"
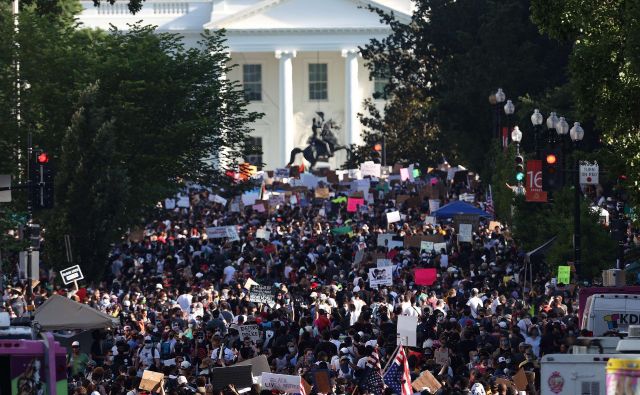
{"x": 322, "y": 144}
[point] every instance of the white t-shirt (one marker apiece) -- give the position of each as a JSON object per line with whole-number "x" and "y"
{"x": 184, "y": 301}
{"x": 475, "y": 303}
{"x": 444, "y": 261}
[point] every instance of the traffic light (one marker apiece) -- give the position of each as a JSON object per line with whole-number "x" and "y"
{"x": 41, "y": 179}
{"x": 377, "y": 152}
{"x": 551, "y": 169}
{"x": 519, "y": 162}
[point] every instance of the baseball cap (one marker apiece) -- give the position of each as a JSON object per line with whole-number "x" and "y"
{"x": 147, "y": 338}
{"x": 502, "y": 359}
{"x": 185, "y": 365}
{"x": 159, "y": 286}
{"x": 75, "y": 344}
{"x": 182, "y": 380}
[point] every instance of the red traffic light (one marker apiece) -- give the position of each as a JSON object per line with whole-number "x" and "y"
{"x": 43, "y": 157}
{"x": 377, "y": 147}
{"x": 551, "y": 159}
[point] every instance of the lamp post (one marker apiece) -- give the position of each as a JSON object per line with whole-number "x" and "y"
{"x": 551, "y": 125}
{"x": 509, "y": 108}
{"x": 577, "y": 134}
{"x": 499, "y": 97}
{"x": 536, "y": 120}
{"x": 516, "y": 137}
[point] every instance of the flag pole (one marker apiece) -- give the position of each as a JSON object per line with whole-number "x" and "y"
{"x": 393, "y": 355}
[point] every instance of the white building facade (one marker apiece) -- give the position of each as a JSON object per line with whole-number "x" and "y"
{"x": 294, "y": 57}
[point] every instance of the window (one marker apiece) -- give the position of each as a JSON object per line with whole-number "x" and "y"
{"x": 255, "y": 149}
{"x": 318, "y": 81}
{"x": 379, "y": 84}
{"x": 252, "y": 81}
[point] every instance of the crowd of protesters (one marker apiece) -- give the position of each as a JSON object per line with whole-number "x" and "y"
{"x": 181, "y": 297}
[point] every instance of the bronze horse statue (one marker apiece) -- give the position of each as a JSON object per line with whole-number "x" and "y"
{"x": 321, "y": 145}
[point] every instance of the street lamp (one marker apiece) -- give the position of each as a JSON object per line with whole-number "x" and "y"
{"x": 509, "y": 108}
{"x": 551, "y": 124}
{"x": 500, "y": 96}
{"x": 562, "y": 127}
{"x": 497, "y": 99}
{"x": 536, "y": 120}
{"x": 577, "y": 134}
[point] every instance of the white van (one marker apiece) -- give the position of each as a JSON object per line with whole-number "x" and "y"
{"x": 574, "y": 374}
{"x": 610, "y": 313}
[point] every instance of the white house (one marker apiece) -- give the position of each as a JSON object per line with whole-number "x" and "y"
{"x": 294, "y": 57}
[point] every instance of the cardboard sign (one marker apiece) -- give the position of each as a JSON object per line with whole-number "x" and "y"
{"x": 322, "y": 193}
{"x": 250, "y": 331}
{"x": 238, "y": 375}
{"x": 564, "y": 275}
{"x": 426, "y": 381}
{"x": 407, "y": 328}
{"x": 261, "y": 294}
{"x": 393, "y": 216}
{"x": 425, "y": 276}
{"x": 494, "y": 224}
{"x": 520, "y": 380}
{"x": 465, "y": 233}
{"x": 353, "y": 203}
{"x": 281, "y": 382}
{"x": 415, "y": 241}
{"x": 321, "y": 379}
{"x": 473, "y": 219}
{"x": 380, "y": 276}
{"x": 151, "y": 381}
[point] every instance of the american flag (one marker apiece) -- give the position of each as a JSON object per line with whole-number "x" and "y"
{"x": 489, "y": 202}
{"x": 398, "y": 377}
{"x": 372, "y": 378}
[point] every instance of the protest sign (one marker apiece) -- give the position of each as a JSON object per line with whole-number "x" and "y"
{"x": 415, "y": 241}
{"x": 250, "y": 331}
{"x": 434, "y": 204}
{"x": 151, "y": 381}
{"x": 261, "y": 294}
{"x": 218, "y": 232}
{"x": 472, "y": 219}
{"x": 259, "y": 207}
{"x": 564, "y": 275}
{"x": 263, "y": 234}
{"x": 281, "y": 382}
{"x": 259, "y": 365}
{"x": 426, "y": 381}
{"x": 343, "y": 230}
{"x": 430, "y": 220}
{"x": 281, "y": 173}
{"x": 238, "y": 375}
{"x": 440, "y": 246}
{"x": 169, "y": 204}
{"x": 370, "y": 168}
{"x": 494, "y": 224}
{"x": 322, "y": 193}
{"x": 425, "y": 276}
{"x": 249, "y": 283}
{"x": 407, "y": 326}
{"x": 249, "y": 198}
{"x": 393, "y": 216}
{"x": 520, "y": 380}
{"x": 404, "y": 174}
{"x": 384, "y": 263}
{"x": 441, "y": 357}
{"x": 322, "y": 382}
{"x": 465, "y": 233}
{"x": 218, "y": 199}
{"x": 380, "y": 276}
{"x": 426, "y": 246}
{"x": 353, "y": 203}
{"x": 183, "y": 202}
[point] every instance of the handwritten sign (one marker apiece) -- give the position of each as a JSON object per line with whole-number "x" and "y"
{"x": 250, "y": 331}
{"x": 281, "y": 382}
{"x": 261, "y": 294}
{"x": 564, "y": 275}
{"x": 393, "y": 216}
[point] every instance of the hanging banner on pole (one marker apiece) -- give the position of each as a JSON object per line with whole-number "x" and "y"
{"x": 533, "y": 182}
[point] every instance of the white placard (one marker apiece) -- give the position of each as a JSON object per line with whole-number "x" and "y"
{"x": 370, "y": 169}
{"x": 263, "y": 234}
{"x": 218, "y": 199}
{"x": 169, "y": 204}
{"x": 384, "y": 239}
{"x": 467, "y": 197}
{"x": 71, "y": 274}
{"x": 380, "y": 276}
{"x": 219, "y": 232}
{"x": 183, "y": 202}
{"x": 407, "y": 328}
{"x": 383, "y": 263}
{"x": 393, "y": 216}
{"x": 249, "y": 198}
{"x": 465, "y": 233}
{"x": 309, "y": 180}
{"x": 426, "y": 246}
{"x": 250, "y": 331}
{"x": 589, "y": 173}
{"x": 281, "y": 382}
{"x": 429, "y": 220}
{"x": 440, "y": 246}
{"x": 434, "y": 204}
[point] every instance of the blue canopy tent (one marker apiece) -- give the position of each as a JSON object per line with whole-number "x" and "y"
{"x": 458, "y": 207}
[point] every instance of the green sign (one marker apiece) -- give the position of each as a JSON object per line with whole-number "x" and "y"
{"x": 342, "y": 230}
{"x": 564, "y": 275}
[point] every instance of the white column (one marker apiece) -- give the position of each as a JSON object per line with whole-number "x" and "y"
{"x": 352, "y": 96}
{"x": 286, "y": 103}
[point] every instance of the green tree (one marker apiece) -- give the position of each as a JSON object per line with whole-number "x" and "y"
{"x": 604, "y": 68}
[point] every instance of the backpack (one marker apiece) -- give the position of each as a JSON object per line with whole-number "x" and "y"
{"x": 165, "y": 350}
